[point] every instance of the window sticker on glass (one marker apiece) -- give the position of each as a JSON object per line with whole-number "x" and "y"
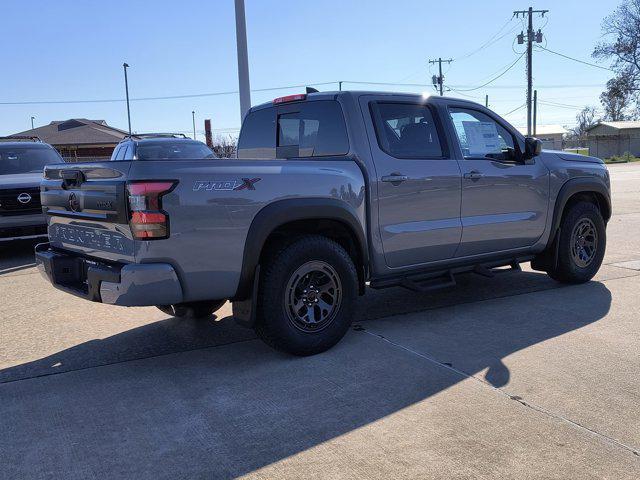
{"x": 482, "y": 137}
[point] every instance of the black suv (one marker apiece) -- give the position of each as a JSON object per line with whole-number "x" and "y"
{"x": 22, "y": 160}
{"x": 160, "y": 146}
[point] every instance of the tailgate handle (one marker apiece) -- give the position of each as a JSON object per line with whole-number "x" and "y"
{"x": 71, "y": 178}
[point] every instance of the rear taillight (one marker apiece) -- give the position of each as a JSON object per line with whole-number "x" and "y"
{"x": 147, "y": 219}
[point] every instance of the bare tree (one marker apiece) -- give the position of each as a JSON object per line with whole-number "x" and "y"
{"x": 621, "y": 31}
{"x": 587, "y": 118}
{"x": 224, "y": 146}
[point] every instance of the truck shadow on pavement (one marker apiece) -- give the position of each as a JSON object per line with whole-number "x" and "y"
{"x": 227, "y": 411}
{"x": 16, "y": 255}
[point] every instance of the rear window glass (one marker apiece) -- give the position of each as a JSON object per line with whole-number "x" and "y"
{"x": 309, "y": 129}
{"x": 258, "y": 135}
{"x": 406, "y": 130}
{"x": 26, "y": 159}
{"x": 173, "y": 150}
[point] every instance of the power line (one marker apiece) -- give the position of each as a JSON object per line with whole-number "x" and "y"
{"x": 574, "y": 59}
{"x": 495, "y": 78}
{"x": 514, "y": 110}
{"x": 456, "y": 88}
{"x": 561, "y": 105}
{"x": 491, "y": 40}
{"x": 166, "y": 97}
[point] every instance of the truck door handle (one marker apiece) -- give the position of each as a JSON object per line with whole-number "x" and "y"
{"x": 473, "y": 175}
{"x": 395, "y": 178}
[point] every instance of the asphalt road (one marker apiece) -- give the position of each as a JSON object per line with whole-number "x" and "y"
{"x": 515, "y": 377}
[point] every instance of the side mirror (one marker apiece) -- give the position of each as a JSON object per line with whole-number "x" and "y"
{"x": 532, "y": 147}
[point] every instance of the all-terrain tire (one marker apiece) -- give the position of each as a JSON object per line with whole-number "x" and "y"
{"x": 287, "y": 317}
{"x": 570, "y": 267}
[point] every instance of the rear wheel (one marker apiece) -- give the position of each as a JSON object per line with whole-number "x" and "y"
{"x": 581, "y": 245}
{"x": 192, "y": 309}
{"x": 307, "y": 296}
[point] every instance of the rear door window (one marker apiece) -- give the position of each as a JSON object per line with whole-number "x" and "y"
{"x": 406, "y": 130}
{"x": 307, "y": 129}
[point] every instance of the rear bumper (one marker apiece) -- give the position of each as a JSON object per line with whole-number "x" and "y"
{"x": 130, "y": 284}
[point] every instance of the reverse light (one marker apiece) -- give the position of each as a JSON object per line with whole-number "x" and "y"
{"x": 147, "y": 219}
{"x": 290, "y": 98}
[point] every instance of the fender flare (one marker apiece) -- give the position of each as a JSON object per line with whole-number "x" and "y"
{"x": 579, "y": 185}
{"x": 280, "y": 212}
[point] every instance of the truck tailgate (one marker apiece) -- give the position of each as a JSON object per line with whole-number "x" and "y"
{"x": 87, "y": 210}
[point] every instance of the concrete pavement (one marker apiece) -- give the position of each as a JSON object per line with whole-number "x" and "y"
{"x": 513, "y": 377}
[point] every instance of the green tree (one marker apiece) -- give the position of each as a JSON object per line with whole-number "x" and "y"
{"x": 617, "y": 99}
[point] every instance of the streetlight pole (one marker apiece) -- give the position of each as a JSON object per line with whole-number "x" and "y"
{"x": 193, "y": 116}
{"x": 32, "y": 119}
{"x": 243, "y": 59}
{"x": 126, "y": 87}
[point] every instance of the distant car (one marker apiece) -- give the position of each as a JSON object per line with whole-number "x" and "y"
{"x": 22, "y": 161}
{"x": 161, "y": 146}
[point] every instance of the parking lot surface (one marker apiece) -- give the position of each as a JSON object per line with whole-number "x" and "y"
{"x": 515, "y": 376}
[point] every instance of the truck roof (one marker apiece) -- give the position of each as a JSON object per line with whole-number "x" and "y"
{"x": 330, "y": 95}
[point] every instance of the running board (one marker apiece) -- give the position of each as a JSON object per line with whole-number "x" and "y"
{"x": 429, "y": 284}
{"x": 432, "y": 280}
{"x": 484, "y": 271}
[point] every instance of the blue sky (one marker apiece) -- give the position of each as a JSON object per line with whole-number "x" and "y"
{"x": 74, "y": 50}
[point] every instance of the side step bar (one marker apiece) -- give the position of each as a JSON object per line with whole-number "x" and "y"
{"x": 434, "y": 280}
{"x": 429, "y": 284}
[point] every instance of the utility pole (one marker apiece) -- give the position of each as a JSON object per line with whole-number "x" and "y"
{"x": 193, "y": 117}
{"x": 486, "y": 100}
{"x": 340, "y": 85}
{"x": 439, "y": 80}
{"x": 32, "y": 119}
{"x": 126, "y": 88}
{"x": 531, "y": 37}
{"x": 243, "y": 60}
{"x": 535, "y": 111}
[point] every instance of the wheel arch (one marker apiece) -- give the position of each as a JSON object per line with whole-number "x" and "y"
{"x": 591, "y": 189}
{"x": 328, "y": 216}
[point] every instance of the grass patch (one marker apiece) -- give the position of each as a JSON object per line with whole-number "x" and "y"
{"x": 626, "y": 158}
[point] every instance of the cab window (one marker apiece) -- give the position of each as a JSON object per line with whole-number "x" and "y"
{"x": 406, "y": 130}
{"x": 480, "y": 136}
{"x": 305, "y": 129}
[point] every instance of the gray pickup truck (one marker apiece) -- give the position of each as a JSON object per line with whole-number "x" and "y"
{"x": 22, "y": 161}
{"x": 331, "y": 192}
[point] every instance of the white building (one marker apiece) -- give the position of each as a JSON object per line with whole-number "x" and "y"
{"x": 551, "y": 135}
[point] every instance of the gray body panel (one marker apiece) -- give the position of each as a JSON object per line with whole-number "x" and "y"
{"x": 433, "y": 220}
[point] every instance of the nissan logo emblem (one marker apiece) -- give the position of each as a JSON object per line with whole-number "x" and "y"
{"x": 24, "y": 198}
{"x": 74, "y": 203}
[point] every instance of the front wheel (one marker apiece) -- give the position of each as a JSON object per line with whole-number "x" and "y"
{"x": 581, "y": 245}
{"x": 192, "y": 309}
{"x": 307, "y": 296}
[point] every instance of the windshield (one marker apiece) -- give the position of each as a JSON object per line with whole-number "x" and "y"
{"x": 168, "y": 150}
{"x": 26, "y": 159}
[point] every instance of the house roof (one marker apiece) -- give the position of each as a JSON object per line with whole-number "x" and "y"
{"x": 546, "y": 130}
{"x": 617, "y": 125}
{"x": 78, "y": 131}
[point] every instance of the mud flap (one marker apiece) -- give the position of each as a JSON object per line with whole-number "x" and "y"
{"x": 547, "y": 260}
{"x": 244, "y": 311}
